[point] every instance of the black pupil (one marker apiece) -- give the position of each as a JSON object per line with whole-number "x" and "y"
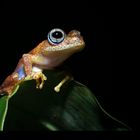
{"x": 57, "y": 34}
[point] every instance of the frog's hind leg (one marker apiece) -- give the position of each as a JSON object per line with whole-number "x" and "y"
{"x": 9, "y": 84}
{"x": 67, "y": 78}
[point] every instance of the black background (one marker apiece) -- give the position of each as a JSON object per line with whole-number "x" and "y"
{"x": 24, "y": 25}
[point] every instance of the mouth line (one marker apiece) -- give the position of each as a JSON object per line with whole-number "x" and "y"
{"x": 65, "y": 47}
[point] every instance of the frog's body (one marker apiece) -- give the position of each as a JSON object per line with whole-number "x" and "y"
{"x": 47, "y": 55}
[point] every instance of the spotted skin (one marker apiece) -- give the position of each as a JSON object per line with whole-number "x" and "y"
{"x": 45, "y": 55}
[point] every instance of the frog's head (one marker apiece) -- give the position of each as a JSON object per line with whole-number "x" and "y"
{"x": 59, "y": 41}
{"x": 59, "y": 46}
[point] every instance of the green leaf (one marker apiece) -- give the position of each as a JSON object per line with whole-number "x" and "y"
{"x": 3, "y": 110}
{"x": 4, "y": 107}
{"x": 74, "y": 108}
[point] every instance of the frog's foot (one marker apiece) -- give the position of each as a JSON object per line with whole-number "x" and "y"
{"x": 6, "y": 91}
{"x": 40, "y": 78}
{"x": 67, "y": 78}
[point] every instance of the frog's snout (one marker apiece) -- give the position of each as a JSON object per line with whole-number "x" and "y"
{"x": 74, "y": 33}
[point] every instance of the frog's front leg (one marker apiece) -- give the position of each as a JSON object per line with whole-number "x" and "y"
{"x": 40, "y": 78}
{"x": 33, "y": 72}
{"x": 27, "y": 61}
{"x": 62, "y": 82}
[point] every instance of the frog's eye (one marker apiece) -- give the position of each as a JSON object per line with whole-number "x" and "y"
{"x": 56, "y": 36}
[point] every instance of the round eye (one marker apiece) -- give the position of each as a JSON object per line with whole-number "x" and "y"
{"x": 56, "y": 36}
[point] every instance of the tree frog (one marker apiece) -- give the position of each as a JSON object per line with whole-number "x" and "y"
{"x": 47, "y": 55}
